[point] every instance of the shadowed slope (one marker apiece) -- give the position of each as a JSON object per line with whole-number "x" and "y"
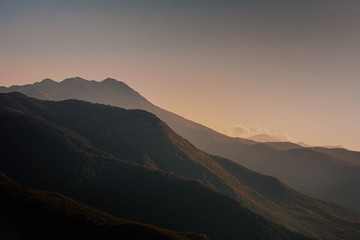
{"x": 27, "y": 213}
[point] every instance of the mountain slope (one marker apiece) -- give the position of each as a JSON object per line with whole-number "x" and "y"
{"x": 27, "y": 213}
{"x": 142, "y": 138}
{"x": 43, "y": 154}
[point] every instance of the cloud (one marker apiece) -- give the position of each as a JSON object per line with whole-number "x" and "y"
{"x": 281, "y": 136}
{"x": 246, "y": 132}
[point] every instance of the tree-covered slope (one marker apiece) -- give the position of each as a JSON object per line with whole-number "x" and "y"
{"x": 27, "y": 213}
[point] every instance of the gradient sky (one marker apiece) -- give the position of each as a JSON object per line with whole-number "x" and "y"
{"x": 289, "y": 67}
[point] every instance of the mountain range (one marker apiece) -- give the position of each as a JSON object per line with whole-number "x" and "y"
{"x": 130, "y": 164}
{"x": 323, "y": 173}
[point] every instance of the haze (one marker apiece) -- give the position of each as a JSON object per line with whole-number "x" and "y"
{"x": 288, "y": 66}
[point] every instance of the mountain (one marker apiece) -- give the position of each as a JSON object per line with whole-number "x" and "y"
{"x": 106, "y": 134}
{"x": 28, "y": 213}
{"x": 41, "y": 153}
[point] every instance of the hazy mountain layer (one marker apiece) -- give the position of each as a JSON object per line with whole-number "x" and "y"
{"x": 340, "y": 153}
{"x": 309, "y": 171}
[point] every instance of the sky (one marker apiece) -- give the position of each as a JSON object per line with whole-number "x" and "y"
{"x": 287, "y": 68}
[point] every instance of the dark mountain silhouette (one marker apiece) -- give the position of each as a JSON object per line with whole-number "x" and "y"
{"x": 141, "y": 138}
{"x": 27, "y": 213}
{"x": 42, "y": 154}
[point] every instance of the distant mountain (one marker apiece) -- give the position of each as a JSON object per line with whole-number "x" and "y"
{"x": 40, "y": 151}
{"x": 259, "y": 157}
{"x": 66, "y": 133}
{"x": 27, "y": 213}
{"x": 338, "y": 153}
{"x": 263, "y": 138}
